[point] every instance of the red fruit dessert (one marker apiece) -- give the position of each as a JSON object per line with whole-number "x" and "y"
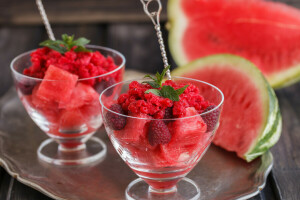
{"x": 59, "y": 86}
{"x": 161, "y": 129}
{"x": 63, "y": 88}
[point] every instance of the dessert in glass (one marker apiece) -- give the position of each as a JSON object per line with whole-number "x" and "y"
{"x": 59, "y": 87}
{"x": 161, "y": 130}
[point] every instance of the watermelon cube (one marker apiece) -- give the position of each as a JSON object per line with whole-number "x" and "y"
{"x": 38, "y": 102}
{"x": 72, "y": 121}
{"x": 92, "y": 112}
{"x": 135, "y": 129}
{"x": 82, "y": 94}
{"x": 188, "y": 131}
{"x": 57, "y": 85}
{"x": 187, "y": 136}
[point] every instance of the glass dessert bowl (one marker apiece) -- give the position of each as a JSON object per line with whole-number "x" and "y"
{"x": 161, "y": 140}
{"x": 65, "y": 106}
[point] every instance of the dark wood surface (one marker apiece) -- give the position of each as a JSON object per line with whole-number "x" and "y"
{"x": 73, "y": 11}
{"x": 133, "y": 35}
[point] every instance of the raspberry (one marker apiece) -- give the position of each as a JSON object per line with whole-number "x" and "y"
{"x": 168, "y": 114}
{"x": 26, "y": 87}
{"x": 102, "y": 85}
{"x": 114, "y": 121}
{"x": 158, "y": 133}
{"x": 108, "y": 83}
{"x": 211, "y": 118}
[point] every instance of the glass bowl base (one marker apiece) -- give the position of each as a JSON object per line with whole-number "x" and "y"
{"x": 186, "y": 189}
{"x": 51, "y": 152}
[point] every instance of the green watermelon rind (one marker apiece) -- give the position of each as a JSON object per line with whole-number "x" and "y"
{"x": 271, "y": 127}
{"x": 272, "y": 131}
{"x": 177, "y": 23}
{"x": 285, "y": 78}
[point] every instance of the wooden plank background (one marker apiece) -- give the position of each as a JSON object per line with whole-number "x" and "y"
{"x": 74, "y": 11}
{"x": 122, "y": 25}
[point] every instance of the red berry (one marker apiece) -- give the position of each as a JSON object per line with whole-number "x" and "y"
{"x": 158, "y": 133}
{"x": 168, "y": 114}
{"x": 115, "y": 121}
{"x": 26, "y": 87}
{"x": 211, "y": 118}
{"x": 103, "y": 84}
{"x": 108, "y": 83}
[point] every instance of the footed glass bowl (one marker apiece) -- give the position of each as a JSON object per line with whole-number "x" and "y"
{"x": 67, "y": 109}
{"x": 162, "y": 167}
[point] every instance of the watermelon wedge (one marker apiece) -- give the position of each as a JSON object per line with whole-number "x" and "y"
{"x": 264, "y": 32}
{"x": 250, "y": 121}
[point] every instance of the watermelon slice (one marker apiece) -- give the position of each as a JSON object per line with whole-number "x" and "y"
{"x": 57, "y": 85}
{"x": 264, "y": 32}
{"x": 250, "y": 121}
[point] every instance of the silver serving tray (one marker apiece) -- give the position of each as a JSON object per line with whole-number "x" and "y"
{"x": 220, "y": 174}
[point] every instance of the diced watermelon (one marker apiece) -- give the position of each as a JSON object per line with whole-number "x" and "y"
{"x": 91, "y": 110}
{"x": 82, "y": 94}
{"x": 187, "y": 131}
{"x": 174, "y": 153}
{"x": 71, "y": 120}
{"x": 57, "y": 85}
{"x": 52, "y": 115}
{"x": 41, "y": 102}
{"x": 135, "y": 129}
{"x": 187, "y": 135}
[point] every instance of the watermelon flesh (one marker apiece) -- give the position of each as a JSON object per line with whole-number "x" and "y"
{"x": 57, "y": 85}
{"x": 82, "y": 94}
{"x": 187, "y": 136}
{"x": 64, "y": 106}
{"x": 250, "y": 121}
{"x": 263, "y": 32}
{"x": 189, "y": 140}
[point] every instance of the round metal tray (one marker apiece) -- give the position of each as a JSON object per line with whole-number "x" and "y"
{"x": 220, "y": 174}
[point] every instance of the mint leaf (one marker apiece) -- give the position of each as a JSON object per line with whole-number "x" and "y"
{"x": 67, "y": 39}
{"x": 169, "y": 92}
{"x": 82, "y": 49}
{"x": 158, "y": 78}
{"x": 81, "y": 42}
{"x": 149, "y": 76}
{"x": 181, "y": 90}
{"x": 166, "y": 90}
{"x": 154, "y": 91}
{"x": 152, "y": 83}
{"x": 164, "y": 72}
{"x": 66, "y": 44}
{"x": 55, "y": 45}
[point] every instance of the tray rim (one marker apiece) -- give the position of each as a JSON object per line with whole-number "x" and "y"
{"x": 39, "y": 188}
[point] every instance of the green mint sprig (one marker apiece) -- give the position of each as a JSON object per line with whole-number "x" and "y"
{"x": 166, "y": 91}
{"x": 66, "y": 44}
